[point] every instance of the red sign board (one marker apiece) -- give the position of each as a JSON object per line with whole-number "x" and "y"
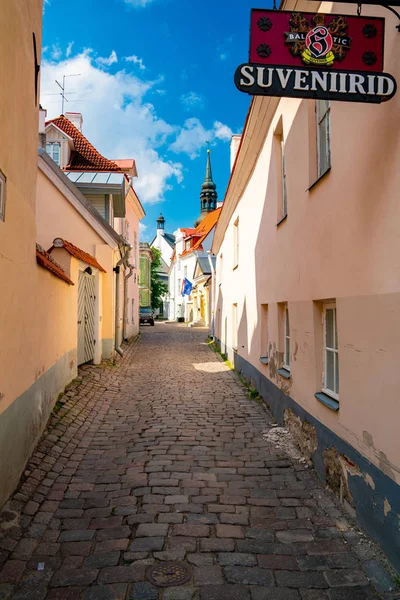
{"x": 316, "y": 40}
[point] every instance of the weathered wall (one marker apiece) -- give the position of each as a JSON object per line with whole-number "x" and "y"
{"x": 339, "y": 241}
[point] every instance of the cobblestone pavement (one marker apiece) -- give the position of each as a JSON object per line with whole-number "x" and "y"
{"x": 161, "y": 458}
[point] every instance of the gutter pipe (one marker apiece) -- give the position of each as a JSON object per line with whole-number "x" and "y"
{"x": 209, "y": 254}
{"x": 126, "y": 277}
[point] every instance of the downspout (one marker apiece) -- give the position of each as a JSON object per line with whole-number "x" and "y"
{"x": 117, "y": 269}
{"x": 131, "y": 268}
{"x": 212, "y": 293}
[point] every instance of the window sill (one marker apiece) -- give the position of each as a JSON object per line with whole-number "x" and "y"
{"x": 264, "y": 360}
{"x": 235, "y": 267}
{"x": 284, "y": 373}
{"x": 281, "y": 220}
{"x": 327, "y": 401}
{"x": 318, "y": 179}
{"x": 235, "y": 348}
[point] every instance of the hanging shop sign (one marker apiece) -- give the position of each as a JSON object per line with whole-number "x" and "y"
{"x": 308, "y": 55}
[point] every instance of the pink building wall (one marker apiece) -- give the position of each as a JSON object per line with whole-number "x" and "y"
{"x": 339, "y": 241}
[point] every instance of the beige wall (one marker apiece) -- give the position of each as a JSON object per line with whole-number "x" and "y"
{"x": 57, "y": 217}
{"x": 19, "y": 126}
{"x": 340, "y": 241}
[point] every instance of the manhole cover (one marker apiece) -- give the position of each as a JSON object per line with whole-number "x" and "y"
{"x": 169, "y": 573}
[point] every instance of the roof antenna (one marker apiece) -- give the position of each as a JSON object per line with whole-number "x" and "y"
{"x": 62, "y": 93}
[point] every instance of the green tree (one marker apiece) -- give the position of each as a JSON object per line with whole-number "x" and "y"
{"x": 158, "y": 287}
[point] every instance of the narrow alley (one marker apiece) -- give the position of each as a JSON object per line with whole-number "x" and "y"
{"x": 161, "y": 459}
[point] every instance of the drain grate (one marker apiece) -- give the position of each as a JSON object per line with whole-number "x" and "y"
{"x": 168, "y": 574}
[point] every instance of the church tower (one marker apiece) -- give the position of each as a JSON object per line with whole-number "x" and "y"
{"x": 208, "y": 194}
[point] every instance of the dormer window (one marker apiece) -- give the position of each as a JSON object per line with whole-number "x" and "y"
{"x": 187, "y": 247}
{"x": 53, "y": 149}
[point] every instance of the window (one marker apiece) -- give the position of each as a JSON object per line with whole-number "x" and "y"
{"x": 234, "y": 327}
{"x": 2, "y": 196}
{"x": 286, "y": 355}
{"x": 187, "y": 245}
{"x": 127, "y": 233}
{"x": 133, "y": 310}
{"x": 330, "y": 384}
{"x": 283, "y": 183}
{"x": 280, "y": 167}
{"x": 185, "y": 271}
{"x": 236, "y": 243}
{"x": 179, "y": 287}
{"x": 135, "y": 250}
{"x": 53, "y": 149}
{"x": 323, "y": 110}
{"x": 264, "y": 334}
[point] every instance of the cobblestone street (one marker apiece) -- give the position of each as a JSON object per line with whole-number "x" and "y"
{"x": 161, "y": 458}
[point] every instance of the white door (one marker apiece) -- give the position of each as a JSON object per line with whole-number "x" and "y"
{"x": 86, "y": 301}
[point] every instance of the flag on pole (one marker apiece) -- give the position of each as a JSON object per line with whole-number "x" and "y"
{"x": 186, "y": 287}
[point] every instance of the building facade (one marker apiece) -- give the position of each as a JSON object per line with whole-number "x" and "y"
{"x": 192, "y": 245}
{"x": 307, "y": 292}
{"x": 164, "y": 242}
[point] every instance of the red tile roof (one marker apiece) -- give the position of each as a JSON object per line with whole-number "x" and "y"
{"x": 85, "y": 157}
{"x": 77, "y": 253}
{"x": 203, "y": 229}
{"x": 47, "y": 262}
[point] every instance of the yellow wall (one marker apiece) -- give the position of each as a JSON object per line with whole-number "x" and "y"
{"x": 18, "y": 161}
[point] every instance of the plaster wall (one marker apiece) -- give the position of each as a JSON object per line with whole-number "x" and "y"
{"x": 132, "y": 320}
{"x": 57, "y": 217}
{"x": 339, "y": 241}
{"x": 19, "y": 126}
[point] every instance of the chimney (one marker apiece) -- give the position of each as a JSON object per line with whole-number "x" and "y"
{"x": 235, "y": 141}
{"x": 42, "y": 124}
{"x": 75, "y": 118}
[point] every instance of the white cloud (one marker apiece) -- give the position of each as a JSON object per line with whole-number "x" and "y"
{"x": 68, "y": 51}
{"x": 136, "y": 61}
{"x": 222, "y": 132}
{"x": 107, "y": 62}
{"x": 56, "y": 52}
{"x": 117, "y": 119}
{"x": 138, "y": 3}
{"x": 193, "y": 136}
{"x": 223, "y": 56}
{"x": 142, "y": 228}
{"x": 192, "y": 100}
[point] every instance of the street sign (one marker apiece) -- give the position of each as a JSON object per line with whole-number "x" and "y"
{"x": 315, "y": 55}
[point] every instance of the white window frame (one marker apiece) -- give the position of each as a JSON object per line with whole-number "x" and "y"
{"x": 51, "y": 154}
{"x": 135, "y": 249}
{"x": 284, "y": 192}
{"x": 286, "y": 338}
{"x": 185, "y": 271}
{"x": 264, "y": 332}
{"x": 323, "y": 143}
{"x": 335, "y": 351}
{"x": 236, "y": 243}
{"x": 2, "y": 196}
{"x": 234, "y": 326}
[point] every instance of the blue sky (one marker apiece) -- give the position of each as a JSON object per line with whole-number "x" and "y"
{"x": 156, "y": 83}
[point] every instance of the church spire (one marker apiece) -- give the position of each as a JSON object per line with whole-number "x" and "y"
{"x": 208, "y": 194}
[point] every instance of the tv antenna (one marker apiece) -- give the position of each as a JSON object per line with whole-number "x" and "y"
{"x": 62, "y": 87}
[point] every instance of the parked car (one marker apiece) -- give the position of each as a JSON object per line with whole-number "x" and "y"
{"x": 146, "y": 315}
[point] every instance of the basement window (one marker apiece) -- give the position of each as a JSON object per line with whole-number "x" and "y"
{"x": 2, "y": 196}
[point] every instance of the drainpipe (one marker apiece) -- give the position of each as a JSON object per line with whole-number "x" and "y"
{"x": 209, "y": 253}
{"x": 117, "y": 269}
{"x": 130, "y": 267}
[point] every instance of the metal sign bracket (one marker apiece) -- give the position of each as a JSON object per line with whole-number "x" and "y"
{"x": 374, "y": 2}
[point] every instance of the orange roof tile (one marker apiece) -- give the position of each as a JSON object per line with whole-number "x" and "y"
{"x": 77, "y": 253}
{"x": 124, "y": 163}
{"x": 46, "y": 261}
{"x": 85, "y": 157}
{"x": 203, "y": 229}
